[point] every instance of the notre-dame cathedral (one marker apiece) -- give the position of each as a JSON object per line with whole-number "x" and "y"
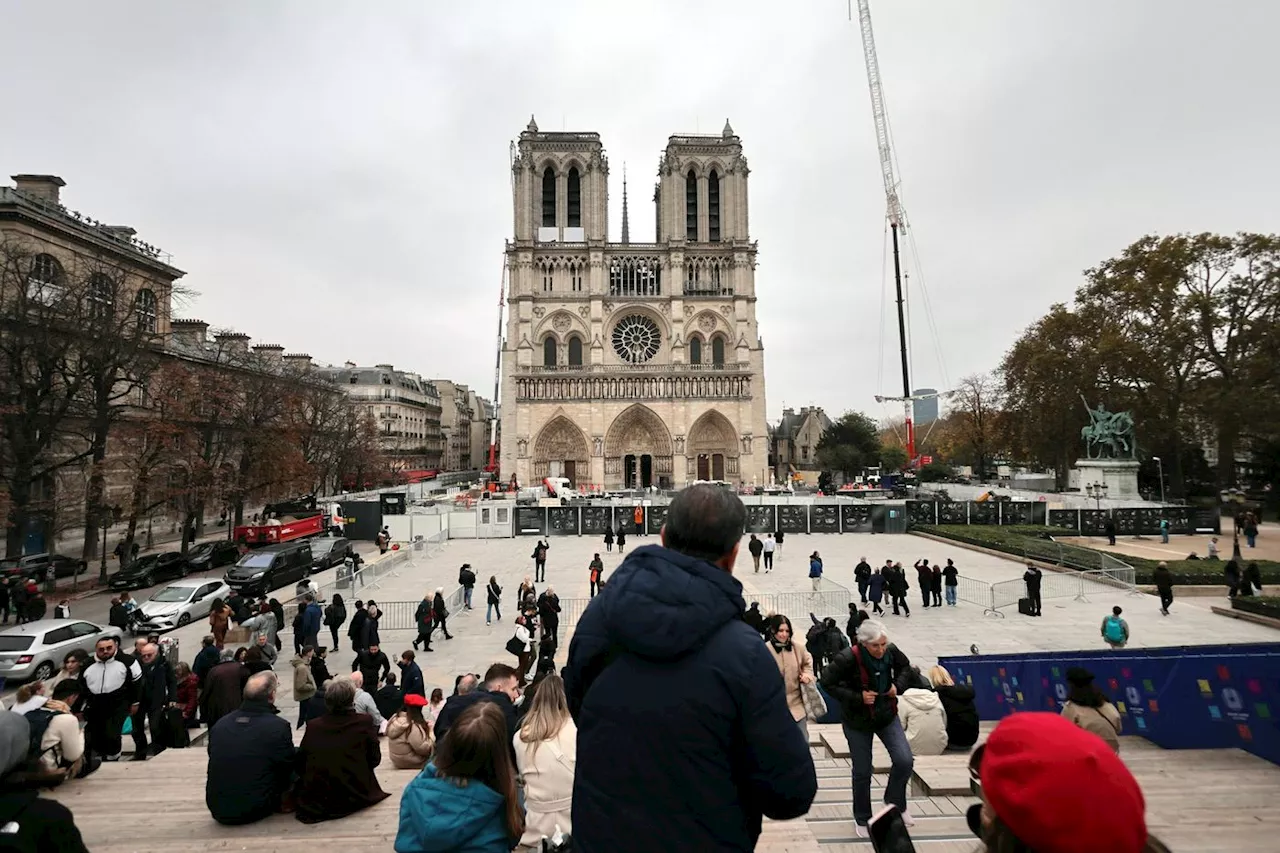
{"x": 625, "y": 363}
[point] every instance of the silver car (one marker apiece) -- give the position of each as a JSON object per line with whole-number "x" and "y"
{"x": 35, "y": 650}
{"x": 178, "y": 603}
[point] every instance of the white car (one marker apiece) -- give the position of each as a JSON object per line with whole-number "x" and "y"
{"x": 178, "y": 603}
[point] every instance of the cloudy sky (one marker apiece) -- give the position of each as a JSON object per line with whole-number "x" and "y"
{"x": 333, "y": 175}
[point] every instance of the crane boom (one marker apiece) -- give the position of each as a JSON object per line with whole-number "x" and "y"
{"x": 897, "y": 216}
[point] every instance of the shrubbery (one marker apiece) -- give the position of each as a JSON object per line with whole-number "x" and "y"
{"x": 1033, "y": 542}
{"x": 1263, "y": 605}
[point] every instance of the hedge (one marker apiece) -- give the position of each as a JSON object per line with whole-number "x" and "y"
{"x": 1263, "y": 605}
{"x": 1035, "y": 543}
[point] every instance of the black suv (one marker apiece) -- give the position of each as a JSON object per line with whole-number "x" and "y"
{"x": 328, "y": 552}
{"x": 34, "y": 566}
{"x": 269, "y": 568}
{"x": 145, "y": 571}
{"x": 213, "y": 555}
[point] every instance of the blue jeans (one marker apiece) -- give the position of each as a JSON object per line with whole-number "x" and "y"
{"x": 895, "y": 793}
{"x": 1164, "y": 537}
{"x": 466, "y": 597}
{"x": 1251, "y": 539}
{"x": 488, "y": 613}
{"x": 951, "y": 595}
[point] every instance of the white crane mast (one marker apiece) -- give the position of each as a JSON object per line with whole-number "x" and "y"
{"x": 897, "y": 216}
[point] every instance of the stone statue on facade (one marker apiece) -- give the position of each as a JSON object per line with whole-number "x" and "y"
{"x": 1109, "y": 435}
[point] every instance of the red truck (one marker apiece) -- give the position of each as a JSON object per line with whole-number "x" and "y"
{"x": 285, "y": 522}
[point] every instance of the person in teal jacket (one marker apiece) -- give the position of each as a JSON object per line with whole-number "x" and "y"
{"x": 466, "y": 800}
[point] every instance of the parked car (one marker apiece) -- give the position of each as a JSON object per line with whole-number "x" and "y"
{"x": 178, "y": 603}
{"x": 270, "y": 568}
{"x": 34, "y": 566}
{"x": 145, "y": 571}
{"x": 213, "y": 555}
{"x": 35, "y": 650}
{"x": 328, "y": 552}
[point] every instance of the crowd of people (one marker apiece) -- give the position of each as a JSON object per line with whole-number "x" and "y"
{"x": 691, "y": 711}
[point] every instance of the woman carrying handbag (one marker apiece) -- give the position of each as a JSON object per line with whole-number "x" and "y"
{"x": 521, "y": 646}
{"x": 795, "y": 664}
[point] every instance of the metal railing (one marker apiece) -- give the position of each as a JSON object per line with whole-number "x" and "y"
{"x": 1074, "y": 585}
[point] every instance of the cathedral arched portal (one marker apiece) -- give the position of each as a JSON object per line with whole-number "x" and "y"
{"x": 713, "y": 448}
{"x": 561, "y": 451}
{"x": 637, "y": 450}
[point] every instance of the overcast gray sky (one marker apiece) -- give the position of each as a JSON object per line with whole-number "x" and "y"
{"x": 333, "y": 176}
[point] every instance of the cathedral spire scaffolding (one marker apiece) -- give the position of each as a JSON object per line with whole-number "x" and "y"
{"x": 626, "y": 220}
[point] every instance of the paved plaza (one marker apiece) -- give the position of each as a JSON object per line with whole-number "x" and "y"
{"x": 1150, "y": 547}
{"x": 925, "y": 636}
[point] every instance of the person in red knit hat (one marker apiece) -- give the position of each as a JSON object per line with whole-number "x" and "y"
{"x": 1050, "y": 787}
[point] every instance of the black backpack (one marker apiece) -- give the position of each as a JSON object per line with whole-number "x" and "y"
{"x": 38, "y": 720}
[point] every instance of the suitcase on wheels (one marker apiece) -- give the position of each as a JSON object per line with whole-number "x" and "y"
{"x": 1024, "y": 607}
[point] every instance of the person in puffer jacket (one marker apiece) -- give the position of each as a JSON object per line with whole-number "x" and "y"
{"x": 922, "y": 717}
{"x": 957, "y": 702}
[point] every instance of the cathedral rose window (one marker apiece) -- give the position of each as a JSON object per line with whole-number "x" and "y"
{"x": 636, "y": 338}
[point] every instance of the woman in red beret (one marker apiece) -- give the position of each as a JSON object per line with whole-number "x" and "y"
{"x": 1050, "y": 787}
{"x": 409, "y": 736}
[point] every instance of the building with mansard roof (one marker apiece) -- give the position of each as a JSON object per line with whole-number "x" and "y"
{"x": 632, "y": 364}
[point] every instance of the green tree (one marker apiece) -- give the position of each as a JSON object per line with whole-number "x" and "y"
{"x": 934, "y": 472}
{"x": 850, "y": 445}
{"x": 893, "y": 457}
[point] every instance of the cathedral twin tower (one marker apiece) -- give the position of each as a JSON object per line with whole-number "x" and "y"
{"x": 627, "y": 363}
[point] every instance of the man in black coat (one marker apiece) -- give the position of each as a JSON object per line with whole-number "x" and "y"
{"x": 251, "y": 757}
{"x": 1032, "y": 577}
{"x": 158, "y": 689}
{"x": 355, "y": 629}
{"x": 467, "y": 580}
{"x": 424, "y": 618}
{"x": 501, "y": 687}
{"x": 685, "y": 740}
{"x": 373, "y": 664}
{"x": 866, "y": 679}
{"x": 862, "y": 574}
{"x": 549, "y": 613}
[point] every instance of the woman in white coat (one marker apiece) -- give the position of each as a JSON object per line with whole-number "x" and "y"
{"x": 546, "y": 752}
{"x": 923, "y": 719}
{"x": 794, "y": 663}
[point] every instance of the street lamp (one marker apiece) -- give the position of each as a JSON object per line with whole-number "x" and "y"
{"x": 1160, "y": 466}
{"x": 1096, "y": 491}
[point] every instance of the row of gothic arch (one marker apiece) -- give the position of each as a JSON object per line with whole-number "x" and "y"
{"x": 637, "y": 432}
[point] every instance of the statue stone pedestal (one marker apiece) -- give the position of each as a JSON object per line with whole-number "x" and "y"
{"x": 1119, "y": 475}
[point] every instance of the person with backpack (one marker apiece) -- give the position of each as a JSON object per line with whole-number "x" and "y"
{"x": 866, "y": 679}
{"x": 113, "y": 682}
{"x": 29, "y": 821}
{"x": 57, "y": 744}
{"x": 467, "y": 580}
{"x": 1115, "y": 630}
{"x": 815, "y": 572}
{"x": 539, "y": 556}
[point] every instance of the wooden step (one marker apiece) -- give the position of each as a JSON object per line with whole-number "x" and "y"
{"x": 950, "y": 828}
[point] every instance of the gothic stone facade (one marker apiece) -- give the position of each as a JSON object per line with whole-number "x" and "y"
{"x": 627, "y": 363}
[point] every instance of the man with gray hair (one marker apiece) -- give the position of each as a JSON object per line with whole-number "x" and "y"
{"x": 866, "y": 679}
{"x": 251, "y": 757}
{"x": 363, "y": 700}
{"x": 668, "y": 684}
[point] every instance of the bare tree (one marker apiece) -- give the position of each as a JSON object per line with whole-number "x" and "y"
{"x": 977, "y": 417}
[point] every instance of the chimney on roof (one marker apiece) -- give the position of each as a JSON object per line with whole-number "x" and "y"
{"x": 385, "y": 367}
{"x": 43, "y": 187}
{"x": 233, "y": 342}
{"x": 270, "y": 353}
{"x": 350, "y": 365}
{"x": 190, "y": 333}
{"x": 297, "y": 359}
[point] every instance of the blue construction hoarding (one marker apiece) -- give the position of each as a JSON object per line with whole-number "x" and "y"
{"x": 1186, "y": 697}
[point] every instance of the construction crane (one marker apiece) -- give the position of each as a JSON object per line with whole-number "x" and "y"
{"x": 896, "y": 215}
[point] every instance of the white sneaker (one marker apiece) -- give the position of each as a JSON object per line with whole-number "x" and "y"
{"x": 861, "y": 830}
{"x": 907, "y": 819}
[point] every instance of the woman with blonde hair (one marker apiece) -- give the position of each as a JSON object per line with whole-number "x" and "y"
{"x": 957, "y": 702}
{"x": 466, "y": 799}
{"x": 546, "y": 752}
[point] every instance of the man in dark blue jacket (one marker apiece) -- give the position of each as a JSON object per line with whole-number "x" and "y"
{"x": 251, "y": 757}
{"x": 684, "y": 737}
{"x": 312, "y": 617}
